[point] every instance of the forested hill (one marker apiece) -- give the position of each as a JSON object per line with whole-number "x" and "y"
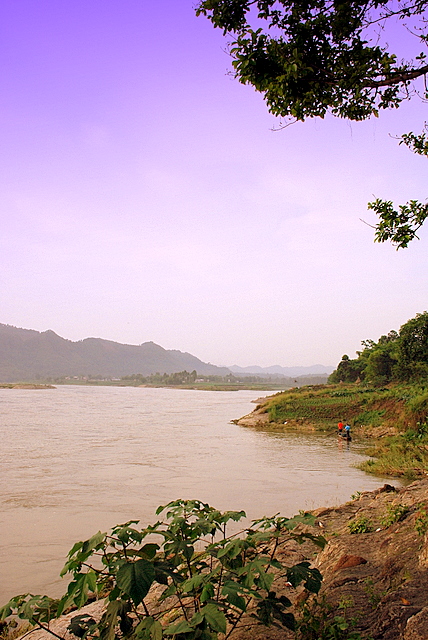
{"x": 26, "y": 354}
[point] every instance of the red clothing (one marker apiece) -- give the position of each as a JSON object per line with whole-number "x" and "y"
{"x": 340, "y": 426}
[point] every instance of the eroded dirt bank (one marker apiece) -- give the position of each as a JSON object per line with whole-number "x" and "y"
{"x": 383, "y": 573}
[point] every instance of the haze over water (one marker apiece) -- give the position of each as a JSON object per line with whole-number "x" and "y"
{"x": 78, "y": 459}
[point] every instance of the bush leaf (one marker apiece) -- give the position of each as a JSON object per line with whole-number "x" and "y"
{"x": 136, "y": 578}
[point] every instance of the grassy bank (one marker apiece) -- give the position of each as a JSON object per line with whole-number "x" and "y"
{"x": 405, "y": 454}
{"x": 394, "y": 419}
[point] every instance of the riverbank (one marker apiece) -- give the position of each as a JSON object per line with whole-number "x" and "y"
{"x": 22, "y": 385}
{"x": 391, "y": 420}
{"x": 375, "y": 565}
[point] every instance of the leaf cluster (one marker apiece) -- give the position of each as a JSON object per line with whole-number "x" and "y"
{"x": 394, "y": 513}
{"x": 396, "y": 356}
{"x": 182, "y": 577}
{"x": 399, "y": 226}
{"x": 360, "y": 525}
{"x": 308, "y": 57}
{"x": 317, "y": 622}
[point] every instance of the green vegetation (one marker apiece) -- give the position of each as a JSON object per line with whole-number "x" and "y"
{"x": 363, "y": 524}
{"x": 374, "y": 594}
{"x": 394, "y": 513}
{"x": 318, "y": 623}
{"x": 193, "y": 380}
{"x": 398, "y": 407}
{"x": 313, "y": 57}
{"x": 396, "y": 357}
{"x": 204, "y": 582}
{"x": 421, "y": 523}
{"x": 400, "y": 455}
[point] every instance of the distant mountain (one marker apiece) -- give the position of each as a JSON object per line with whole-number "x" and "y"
{"x": 275, "y": 370}
{"x": 26, "y": 354}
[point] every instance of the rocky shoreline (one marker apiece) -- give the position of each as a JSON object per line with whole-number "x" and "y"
{"x": 382, "y": 573}
{"x": 376, "y": 579}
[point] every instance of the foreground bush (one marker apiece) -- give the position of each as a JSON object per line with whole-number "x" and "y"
{"x": 181, "y": 578}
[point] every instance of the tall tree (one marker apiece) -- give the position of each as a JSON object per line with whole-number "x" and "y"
{"x": 413, "y": 347}
{"x": 310, "y": 57}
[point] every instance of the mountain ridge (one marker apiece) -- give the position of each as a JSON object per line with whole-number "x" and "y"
{"x": 315, "y": 369}
{"x": 27, "y": 354}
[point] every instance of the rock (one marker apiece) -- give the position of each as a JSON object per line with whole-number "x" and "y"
{"x": 387, "y": 488}
{"x": 417, "y": 626}
{"x": 349, "y": 561}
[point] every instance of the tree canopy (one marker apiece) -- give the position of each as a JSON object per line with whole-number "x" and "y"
{"x": 396, "y": 356}
{"x": 313, "y": 57}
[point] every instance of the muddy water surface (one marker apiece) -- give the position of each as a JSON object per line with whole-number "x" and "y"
{"x": 75, "y": 460}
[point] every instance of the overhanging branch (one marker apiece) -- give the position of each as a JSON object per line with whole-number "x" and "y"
{"x": 396, "y": 78}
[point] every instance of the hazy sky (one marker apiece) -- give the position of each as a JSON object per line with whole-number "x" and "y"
{"x": 144, "y": 195}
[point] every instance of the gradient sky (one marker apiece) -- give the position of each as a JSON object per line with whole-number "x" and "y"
{"x": 144, "y": 195}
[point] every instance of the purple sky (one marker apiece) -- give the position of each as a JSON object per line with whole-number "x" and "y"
{"x": 144, "y": 195}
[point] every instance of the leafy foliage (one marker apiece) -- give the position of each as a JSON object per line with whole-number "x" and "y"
{"x": 317, "y": 622}
{"x": 360, "y": 525}
{"x": 396, "y": 356}
{"x": 308, "y": 58}
{"x": 421, "y": 523}
{"x": 195, "y": 582}
{"x": 311, "y": 57}
{"x": 400, "y": 455}
{"x": 400, "y": 227}
{"x": 394, "y": 513}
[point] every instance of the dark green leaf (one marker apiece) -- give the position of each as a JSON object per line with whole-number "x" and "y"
{"x": 136, "y": 578}
{"x": 192, "y": 583}
{"x": 303, "y": 573}
{"x": 149, "y": 550}
{"x": 264, "y": 580}
{"x": 214, "y": 617}
{"x": 80, "y": 625}
{"x": 207, "y": 592}
{"x": 232, "y": 591}
{"x": 179, "y": 627}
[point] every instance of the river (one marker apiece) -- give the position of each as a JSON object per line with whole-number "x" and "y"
{"x": 78, "y": 459}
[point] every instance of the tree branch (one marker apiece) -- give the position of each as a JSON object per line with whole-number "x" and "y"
{"x": 396, "y": 78}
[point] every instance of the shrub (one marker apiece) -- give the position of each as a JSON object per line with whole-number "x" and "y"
{"x": 207, "y": 580}
{"x": 421, "y": 523}
{"x": 360, "y": 525}
{"x": 394, "y": 513}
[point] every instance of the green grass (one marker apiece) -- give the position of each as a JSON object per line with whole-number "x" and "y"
{"x": 398, "y": 456}
{"x": 399, "y": 407}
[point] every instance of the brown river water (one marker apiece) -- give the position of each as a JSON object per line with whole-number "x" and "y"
{"x": 76, "y": 459}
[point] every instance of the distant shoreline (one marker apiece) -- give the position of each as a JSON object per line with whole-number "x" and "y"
{"x": 24, "y": 385}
